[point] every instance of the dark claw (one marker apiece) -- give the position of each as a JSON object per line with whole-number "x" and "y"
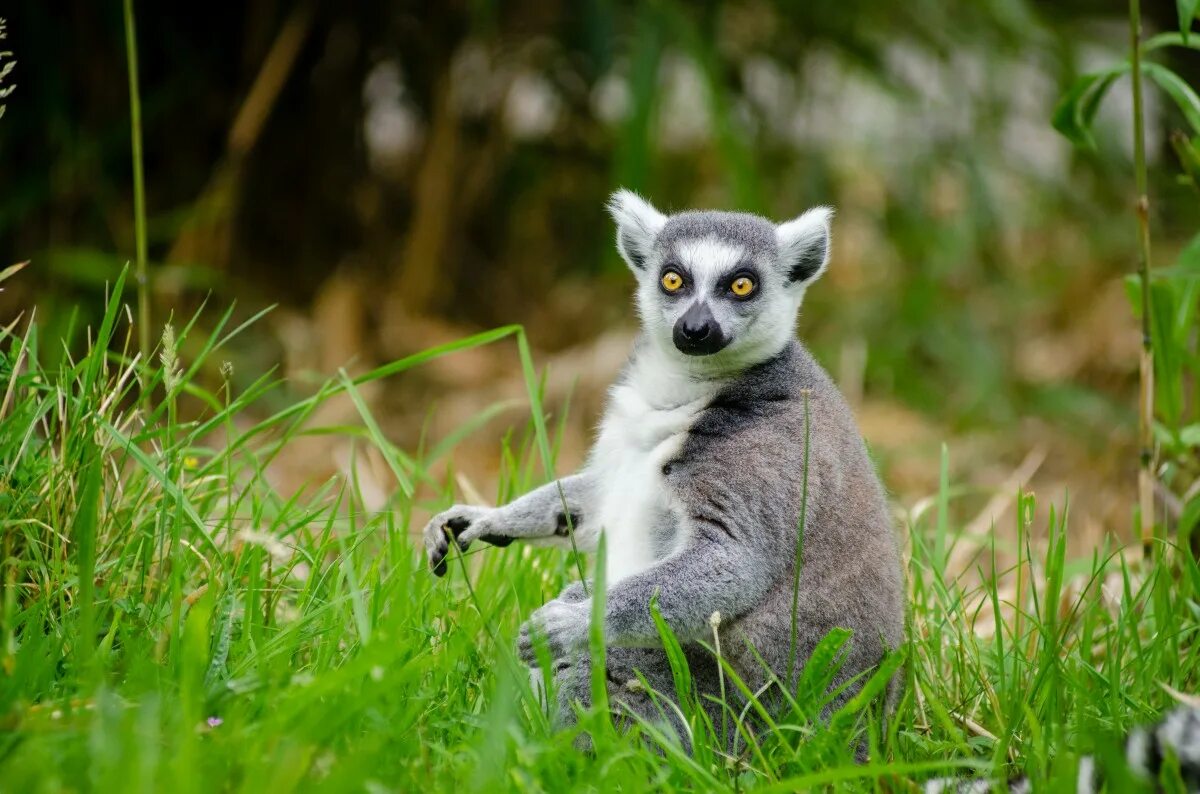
{"x": 438, "y": 561}
{"x": 455, "y": 527}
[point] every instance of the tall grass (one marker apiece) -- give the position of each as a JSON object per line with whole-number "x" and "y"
{"x": 171, "y": 620}
{"x": 141, "y": 266}
{"x": 1165, "y": 299}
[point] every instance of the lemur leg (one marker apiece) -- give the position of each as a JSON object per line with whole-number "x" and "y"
{"x": 627, "y": 695}
{"x": 690, "y": 586}
{"x": 545, "y": 516}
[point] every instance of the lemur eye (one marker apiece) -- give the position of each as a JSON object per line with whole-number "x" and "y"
{"x": 672, "y": 281}
{"x": 742, "y": 286}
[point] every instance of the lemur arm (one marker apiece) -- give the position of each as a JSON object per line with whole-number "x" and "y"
{"x": 725, "y": 567}
{"x": 717, "y": 571}
{"x": 740, "y": 523}
{"x": 545, "y": 516}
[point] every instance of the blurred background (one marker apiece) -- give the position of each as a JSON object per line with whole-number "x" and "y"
{"x": 395, "y": 175}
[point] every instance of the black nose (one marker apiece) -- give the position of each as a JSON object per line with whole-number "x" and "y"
{"x": 697, "y": 332}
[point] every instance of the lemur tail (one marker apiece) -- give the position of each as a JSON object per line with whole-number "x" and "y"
{"x": 1177, "y": 734}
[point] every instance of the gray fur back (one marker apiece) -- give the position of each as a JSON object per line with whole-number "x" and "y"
{"x": 747, "y": 450}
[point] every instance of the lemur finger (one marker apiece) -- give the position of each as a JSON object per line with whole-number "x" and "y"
{"x": 435, "y": 548}
{"x": 482, "y": 529}
{"x": 455, "y": 527}
{"x": 479, "y": 531}
{"x": 533, "y": 633}
{"x": 438, "y": 532}
{"x": 525, "y": 647}
{"x": 437, "y": 542}
{"x": 437, "y": 559}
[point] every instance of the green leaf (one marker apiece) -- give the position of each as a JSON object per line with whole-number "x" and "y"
{"x": 1190, "y": 435}
{"x": 168, "y": 485}
{"x": 821, "y": 668}
{"x": 83, "y": 537}
{"x": 1188, "y": 155}
{"x": 875, "y": 687}
{"x": 1176, "y": 88}
{"x": 680, "y": 670}
{"x": 1167, "y": 354}
{"x": 1189, "y": 258}
{"x": 1188, "y": 520}
{"x": 1186, "y": 266}
{"x": 597, "y": 650}
{"x": 1075, "y": 112}
{"x": 1171, "y": 39}
{"x": 12, "y": 270}
{"x": 1187, "y": 12}
{"x": 392, "y": 455}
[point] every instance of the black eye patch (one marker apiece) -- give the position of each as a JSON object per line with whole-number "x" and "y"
{"x": 673, "y": 266}
{"x": 726, "y": 282}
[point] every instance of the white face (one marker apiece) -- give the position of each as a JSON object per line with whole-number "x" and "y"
{"x": 719, "y": 292}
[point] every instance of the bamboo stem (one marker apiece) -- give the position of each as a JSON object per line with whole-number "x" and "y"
{"x": 141, "y": 274}
{"x": 1146, "y": 360}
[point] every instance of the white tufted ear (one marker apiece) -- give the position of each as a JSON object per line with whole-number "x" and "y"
{"x": 638, "y": 223}
{"x": 804, "y": 245}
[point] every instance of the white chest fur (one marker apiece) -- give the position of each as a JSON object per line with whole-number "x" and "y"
{"x": 637, "y": 437}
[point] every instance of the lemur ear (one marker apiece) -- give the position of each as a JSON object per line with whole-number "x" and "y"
{"x": 804, "y": 245}
{"x": 638, "y": 223}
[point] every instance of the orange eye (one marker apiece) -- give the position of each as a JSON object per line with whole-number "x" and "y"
{"x": 672, "y": 281}
{"x": 742, "y": 286}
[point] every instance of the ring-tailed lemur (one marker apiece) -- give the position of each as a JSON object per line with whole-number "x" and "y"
{"x": 697, "y": 478}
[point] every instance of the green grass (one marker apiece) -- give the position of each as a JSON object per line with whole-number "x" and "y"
{"x": 170, "y": 621}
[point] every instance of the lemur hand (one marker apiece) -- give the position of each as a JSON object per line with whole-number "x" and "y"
{"x": 464, "y": 524}
{"x": 562, "y": 624}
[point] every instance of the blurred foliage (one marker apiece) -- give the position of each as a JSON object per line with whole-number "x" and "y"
{"x": 1164, "y": 298}
{"x": 452, "y": 161}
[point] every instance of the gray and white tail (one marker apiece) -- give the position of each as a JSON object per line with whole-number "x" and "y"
{"x": 1146, "y": 749}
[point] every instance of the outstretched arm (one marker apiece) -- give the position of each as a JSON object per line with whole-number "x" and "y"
{"x": 545, "y": 516}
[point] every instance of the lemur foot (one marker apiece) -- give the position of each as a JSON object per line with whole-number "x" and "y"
{"x": 464, "y": 524}
{"x": 562, "y": 624}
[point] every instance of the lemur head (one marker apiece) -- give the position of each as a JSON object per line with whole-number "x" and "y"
{"x": 719, "y": 291}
